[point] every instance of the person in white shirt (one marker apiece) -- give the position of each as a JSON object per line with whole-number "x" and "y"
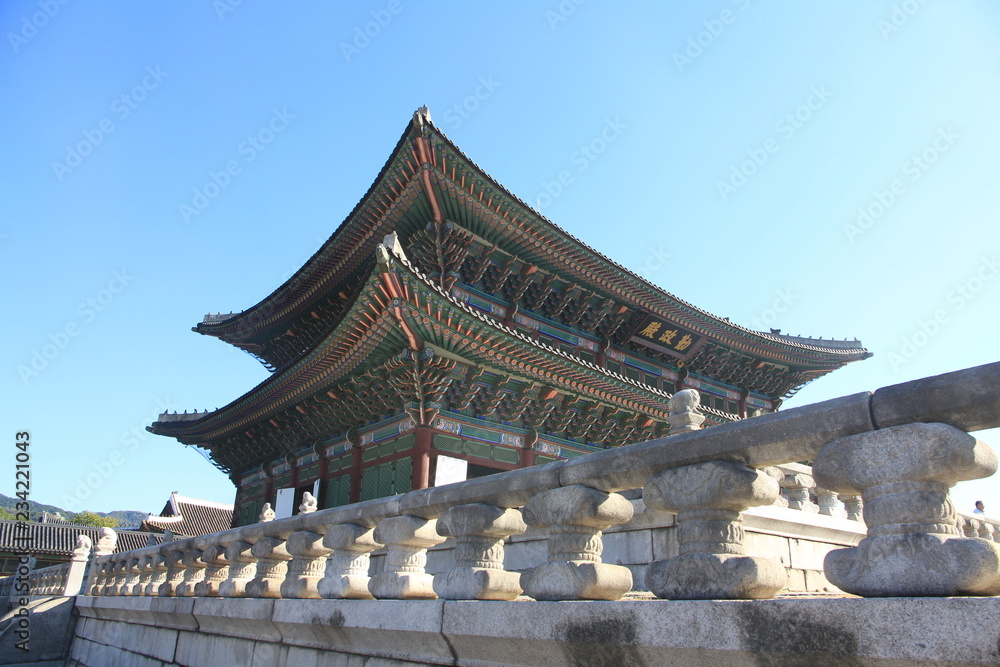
{"x": 980, "y": 508}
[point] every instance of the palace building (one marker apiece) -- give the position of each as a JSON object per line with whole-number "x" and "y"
{"x": 446, "y": 331}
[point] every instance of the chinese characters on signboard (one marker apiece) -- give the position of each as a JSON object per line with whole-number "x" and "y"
{"x": 666, "y": 335}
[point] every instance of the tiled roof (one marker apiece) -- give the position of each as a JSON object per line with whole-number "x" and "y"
{"x": 60, "y": 539}
{"x": 190, "y": 517}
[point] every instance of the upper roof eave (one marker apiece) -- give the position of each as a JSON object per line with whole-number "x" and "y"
{"x": 649, "y": 294}
{"x": 244, "y": 319}
{"x": 651, "y": 290}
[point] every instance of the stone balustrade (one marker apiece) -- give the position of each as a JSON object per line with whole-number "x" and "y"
{"x": 890, "y": 455}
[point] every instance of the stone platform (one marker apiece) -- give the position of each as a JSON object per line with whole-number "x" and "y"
{"x": 256, "y": 632}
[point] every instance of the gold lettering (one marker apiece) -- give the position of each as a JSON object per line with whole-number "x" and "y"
{"x": 650, "y": 330}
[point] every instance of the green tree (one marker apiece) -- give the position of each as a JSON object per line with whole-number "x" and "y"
{"x": 86, "y": 518}
{"x": 4, "y": 514}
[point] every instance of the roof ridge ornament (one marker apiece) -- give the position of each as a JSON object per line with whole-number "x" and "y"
{"x": 422, "y": 116}
{"x": 392, "y": 244}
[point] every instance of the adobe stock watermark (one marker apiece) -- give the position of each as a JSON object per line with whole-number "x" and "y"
{"x": 582, "y": 158}
{"x": 102, "y": 470}
{"x": 655, "y": 262}
{"x": 30, "y": 25}
{"x": 958, "y": 298}
{"x": 461, "y": 111}
{"x": 248, "y": 149}
{"x": 714, "y": 27}
{"x": 913, "y": 169}
{"x": 363, "y": 35}
{"x": 786, "y": 127}
{"x": 783, "y": 300}
{"x": 122, "y": 107}
{"x": 562, "y": 12}
{"x": 87, "y": 311}
{"x": 223, "y": 7}
{"x": 901, "y": 14}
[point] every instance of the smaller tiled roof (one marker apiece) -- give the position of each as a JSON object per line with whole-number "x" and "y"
{"x": 60, "y": 539}
{"x": 190, "y": 517}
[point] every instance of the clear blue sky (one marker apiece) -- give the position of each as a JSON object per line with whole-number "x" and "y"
{"x": 745, "y": 137}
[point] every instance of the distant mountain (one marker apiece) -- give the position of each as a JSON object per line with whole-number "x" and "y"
{"x": 126, "y": 518}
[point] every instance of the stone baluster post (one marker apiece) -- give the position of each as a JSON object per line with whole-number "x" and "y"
{"x": 105, "y": 546}
{"x": 347, "y": 566}
{"x": 194, "y": 572}
{"x": 479, "y": 530}
{"x": 272, "y": 565}
{"x": 828, "y": 503}
{"x": 986, "y": 530}
{"x": 158, "y": 574}
{"x": 102, "y": 573}
{"x": 852, "y": 505}
{"x": 173, "y": 556}
{"x": 216, "y": 572}
{"x": 574, "y": 517}
{"x": 708, "y": 499}
{"x": 778, "y": 475}
{"x": 242, "y": 568}
{"x": 145, "y": 574}
{"x": 406, "y": 539}
{"x": 967, "y": 527}
{"x": 121, "y": 572}
{"x": 105, "y": 576}
{"x": 131, "y": 576}
{"x": 76, "y": 574}
{"x": 797, "y": 486}
{"x": 307, "y": 567}
{"x": 913, "y": 547}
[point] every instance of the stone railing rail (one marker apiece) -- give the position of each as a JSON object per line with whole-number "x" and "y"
{"x": 900, "y": 448}
{"x": 49, "y": 580}
{"x": 799, "y": 489}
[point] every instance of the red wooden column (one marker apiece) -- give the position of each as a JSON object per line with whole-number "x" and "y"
{"x": 355, "y": 496}
{"x": 269, "y": 493}
{"x": 324, "y": 472}
{"x": 527, "y": 458}
{"x": 424, "y": 436}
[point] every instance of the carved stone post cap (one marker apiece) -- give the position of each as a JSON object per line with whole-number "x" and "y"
{"x": 408, "y": 531}
{"x": 912, "y": 452}
{"x": 577, "y": 506}
{"x": 686, "y": 400}
{"x": 309, "y": 503}
{"x": 83, "y": 546}
{"x": 712, "y": 485}
{"x": 480, "y": 519}
{"x": 350, "y": 536}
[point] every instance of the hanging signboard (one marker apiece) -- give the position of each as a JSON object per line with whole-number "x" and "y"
{"x": 663, "y": 334}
